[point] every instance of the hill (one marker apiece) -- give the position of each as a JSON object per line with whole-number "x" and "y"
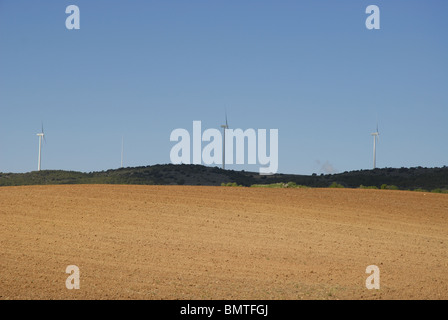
{"x": 418, "y": 178}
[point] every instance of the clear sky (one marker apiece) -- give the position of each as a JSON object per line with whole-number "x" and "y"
{"x": 140, "y": 69}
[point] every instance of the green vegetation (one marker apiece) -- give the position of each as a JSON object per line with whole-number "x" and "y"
{"x": 419, "y": 179}
{"x": 336, "y": 185}
{"x": 439, "y": 190}
{"x": 387, "y": 187}
{"x": 230, "y": 184}
{"x": 368, "y": 187}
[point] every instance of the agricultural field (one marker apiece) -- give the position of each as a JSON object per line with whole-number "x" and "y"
{"x": 211, "y": 242}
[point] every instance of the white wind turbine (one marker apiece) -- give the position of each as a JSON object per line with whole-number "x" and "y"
{"x": 40, "y": 135}
{"x": 375, "y": 139}
{"x": 224, "y": 127}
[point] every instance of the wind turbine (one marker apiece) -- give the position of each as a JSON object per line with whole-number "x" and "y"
{"x": 375, "y": 138}
{"x": 40, "y": 135}
{"x": 224, "y": 127}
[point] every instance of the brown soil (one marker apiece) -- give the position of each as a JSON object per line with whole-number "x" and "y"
{"x": 182, "y": 242}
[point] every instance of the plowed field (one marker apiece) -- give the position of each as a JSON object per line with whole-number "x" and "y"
{"x": 183, "y": 242}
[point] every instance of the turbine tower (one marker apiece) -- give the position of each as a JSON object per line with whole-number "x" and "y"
{"x": 375, "y": 138}
{"x": 224, "y": 127}
{"x": 40, "y": 135}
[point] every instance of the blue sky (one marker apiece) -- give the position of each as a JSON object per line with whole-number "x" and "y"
{"x": 141, "y": 69}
